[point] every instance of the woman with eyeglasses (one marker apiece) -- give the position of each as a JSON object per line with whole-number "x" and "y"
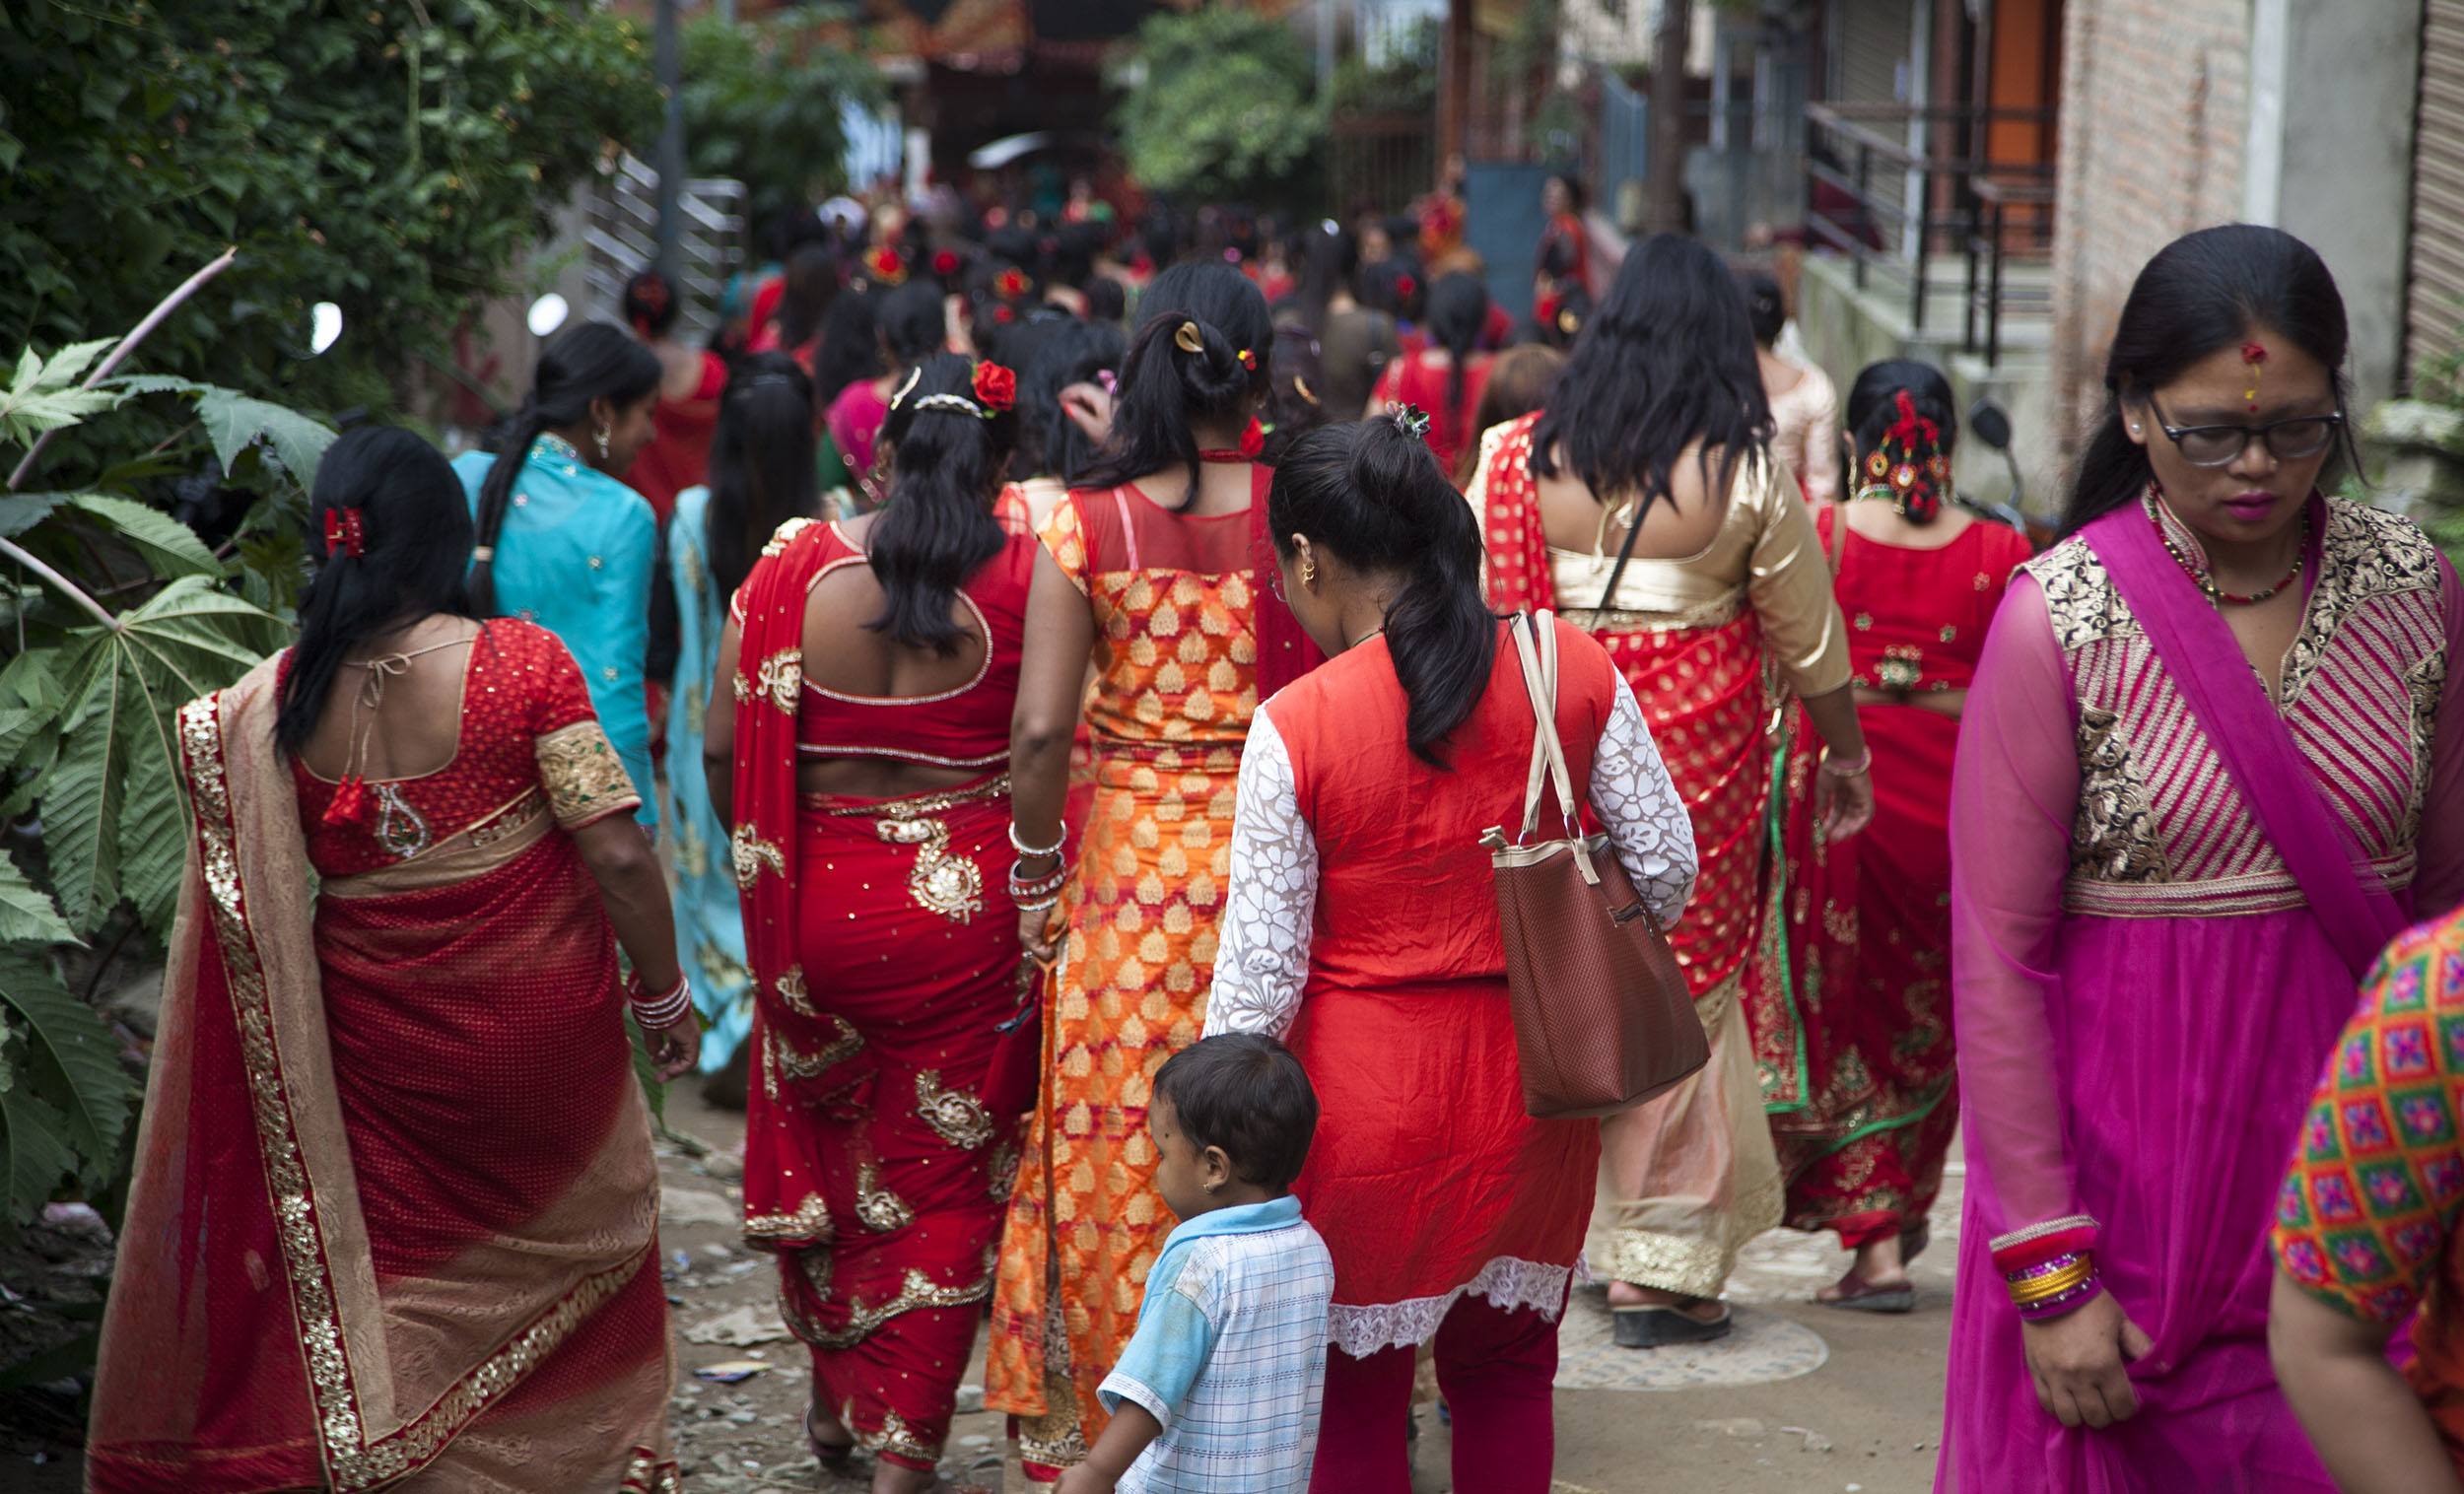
{"x": 2210, "y": 765}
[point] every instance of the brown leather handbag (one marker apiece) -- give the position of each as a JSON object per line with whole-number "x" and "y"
{"x": 1602, "y": 1019}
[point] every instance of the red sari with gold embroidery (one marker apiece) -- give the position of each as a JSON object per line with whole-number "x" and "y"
{"x": 394, "y": 1216}
{"x": 885, "y": 962}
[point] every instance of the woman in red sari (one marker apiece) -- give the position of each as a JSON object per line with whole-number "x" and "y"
{"x": 687, "y": 412}
{"x": 393, "y": 1219}
{"x": 858, "y": 741}
{"x": 1918, "y": 579}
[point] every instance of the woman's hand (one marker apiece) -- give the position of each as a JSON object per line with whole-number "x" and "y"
{"x": 1089, "y": 408}
{"x": 2076, "y": 1362}
{"x": 1035, "y": 937}
{"x": 675, "y": 1049}
{"x": 1842, "y": 803}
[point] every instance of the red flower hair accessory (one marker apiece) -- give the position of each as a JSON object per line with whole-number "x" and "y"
{"x": 1907, "y": 466}
{"x": 346, "y": 531}
{"x": 1011, "y": 284}
{"x": 1404, "y": 285}
{"x": 1003, "y": 314}
{"x": 945, "y": 262}
{"x": 885, "y": 265}
{"x": 996, "y": 387}
{"x": 1253, "y": 439}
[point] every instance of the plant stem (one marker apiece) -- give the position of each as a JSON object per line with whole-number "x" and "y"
{"x": 67, "y": 587}
{"x": 128, "y": 344}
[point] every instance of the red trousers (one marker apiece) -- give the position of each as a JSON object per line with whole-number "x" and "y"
{"x": 1495, "y": 1368}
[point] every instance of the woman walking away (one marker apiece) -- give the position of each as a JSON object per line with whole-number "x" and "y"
{"x": 1361, "y": 918}
{"x": 912, "y": 328}
{"x": 760, "y": 477}
{"x": 2210, "y": 754}
{"x": 561, "y": 540}
{"x": 1151, "y": 566}
{"x": 1805, "y": 408}
{"x": 1447, "y": 376}
{"x": 1920, "y": 580}
{"x": 1645, "y": 493}
{"x": 687, "y": 412}
{"x": 858, "y": 741}
{"x": 393, "y": 1219}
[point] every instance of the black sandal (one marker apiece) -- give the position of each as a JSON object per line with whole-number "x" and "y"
{"x": 1652, "y": 1327}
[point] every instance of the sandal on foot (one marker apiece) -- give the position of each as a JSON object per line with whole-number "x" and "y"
{"x": 1652, "y": 1327}
{"x": 834, "y": 1457}
{"x": 1865, "y": 1297}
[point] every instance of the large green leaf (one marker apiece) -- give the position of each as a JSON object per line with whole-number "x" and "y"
{"x": 81, "y": 807}
{"x": 31, "y": 699}
{"x": 153, "y": 818}
{"x": 67, "y": 1058}
{"x": 21, "y": 511}
{"x": 170, "y": 546}
{"x": 26, "y": 914}
{"x": 232, "y": 421}
{"x": 75, "y": 359}
{"x": 34, "y": 1154}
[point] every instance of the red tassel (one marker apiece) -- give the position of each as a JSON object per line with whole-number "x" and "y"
{"x": 350, "y": 802}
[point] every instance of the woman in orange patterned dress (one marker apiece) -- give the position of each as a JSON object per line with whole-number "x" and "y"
{"x": 1150, "y": 565}
{"x": 1644, "y": 501}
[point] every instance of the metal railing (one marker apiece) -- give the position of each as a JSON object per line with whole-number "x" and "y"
{"x": 622, "y": 238}
{"x": 1900, "y": 211}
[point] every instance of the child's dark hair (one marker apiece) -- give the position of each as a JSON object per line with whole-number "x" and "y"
{"x": 415, "y": 539}
{"x": 1245, "y": 1093}
{"x": 591, "y": 361}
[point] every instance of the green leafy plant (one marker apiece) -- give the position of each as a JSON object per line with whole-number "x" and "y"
{"x": 1218, "y": 106}
{"x": 1404, "y": 81}
{"x": 89, "y": 774}
{"x": 763, "y": 104}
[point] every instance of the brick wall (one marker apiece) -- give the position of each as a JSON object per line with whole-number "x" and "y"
{"x": 2154, "y": 107}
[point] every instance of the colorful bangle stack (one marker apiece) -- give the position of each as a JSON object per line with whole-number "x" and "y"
{"x": 663, "y": 1011}
{"x": 1035, "y": 893}
{"x": 2054, "y": 1286}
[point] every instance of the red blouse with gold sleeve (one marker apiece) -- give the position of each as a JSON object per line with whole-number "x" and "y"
{"x": 528, "y": 739}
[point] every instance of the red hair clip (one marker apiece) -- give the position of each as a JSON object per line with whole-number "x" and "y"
{"x": 1248, "y": 360}
{"x": 996, "y": 387}
{"x": 345, "y": 531}
{"x": 1404, "y": 285}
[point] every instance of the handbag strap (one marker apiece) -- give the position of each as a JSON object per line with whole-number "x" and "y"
{"x": 1535, "y": 645}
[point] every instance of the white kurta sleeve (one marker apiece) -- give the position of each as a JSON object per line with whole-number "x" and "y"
{"x": 1639, "y": 806}
{"x": 1262, "y": 963}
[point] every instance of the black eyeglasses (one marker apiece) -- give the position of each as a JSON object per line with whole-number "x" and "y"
{"x": 2290, "y": 439}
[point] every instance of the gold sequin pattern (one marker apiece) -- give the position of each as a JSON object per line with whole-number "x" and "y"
{"x": 877, "y": 1207}
{"x": 941, "y": 883}
{"x": 810, "y": 1221}
{"x": 751, "y": 856}
{"x": 785, "y": 535}
{"x": 956, "y": 1118}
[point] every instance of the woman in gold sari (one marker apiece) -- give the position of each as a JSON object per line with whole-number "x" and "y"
{"x": 1644, "y": 491}
{"x": 393, "y": 1221}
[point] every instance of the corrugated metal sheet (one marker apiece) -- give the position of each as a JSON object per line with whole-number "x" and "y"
{"x": 2434, "y": 299}
{"x": 1871, "y": 44}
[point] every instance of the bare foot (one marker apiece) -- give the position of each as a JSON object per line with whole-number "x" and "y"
{"x": 832, "y": 1441}
{"x": 1625, "y": 1294}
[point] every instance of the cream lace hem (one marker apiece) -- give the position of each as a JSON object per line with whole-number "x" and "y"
{"x": 1505, "y": 1281}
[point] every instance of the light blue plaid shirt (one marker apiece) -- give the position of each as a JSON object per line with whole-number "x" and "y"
{"x": 1229, "y": 1354}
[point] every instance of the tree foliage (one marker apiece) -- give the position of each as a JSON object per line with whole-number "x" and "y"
{"x": 764, "y": 103}
{"x": 394, "y": 156}
{"x": 1219, "y": 107}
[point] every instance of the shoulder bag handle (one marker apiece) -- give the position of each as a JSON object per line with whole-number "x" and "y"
{"x": 1535, "y": 645}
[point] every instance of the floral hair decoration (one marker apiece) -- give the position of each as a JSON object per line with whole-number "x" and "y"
{"x": 345, "y": 532}
{"x": 1413, "y": 420}
{"x": 996, "y": 387}
{"x": 1011, "y": 284}
{"x": 995, "y": 390}
{"x": 1248, "y": 360}
{"x": 1404, "y": 285}
{"x": 885, "y": 265}
{"x": 1253, "y": 439}
{"x": 945, "y": 262}
{"x": 1907, "y": 468}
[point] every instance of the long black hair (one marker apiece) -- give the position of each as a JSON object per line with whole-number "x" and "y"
{"x": 1371, "y": 492}
{"x": 2202, "y": 292}
{"x": 938, "y": 526}
{"x": 415, "y": 540}
{"x": 1457, "y": 315}
{"x": 1668, "y": 358}
{"x": 1078, "y": 352}
{"x": 761, "y": 462}
{"x": 1164, "y": 388}
{"x": 914, "y": 323}
{"x": 811, "y": 287}
{"x": 593, "y": 361}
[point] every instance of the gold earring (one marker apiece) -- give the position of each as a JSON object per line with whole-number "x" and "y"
{"x": 1309, "y": 572}
{"x": 602, "y": 442}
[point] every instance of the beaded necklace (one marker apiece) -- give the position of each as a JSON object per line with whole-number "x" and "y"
{"x": 2216, "y": 594}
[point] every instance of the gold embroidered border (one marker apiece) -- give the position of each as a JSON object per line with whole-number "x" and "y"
{"x": 917, "y": 1290}
{"x": 585, "y": 777}
{"x": 895, "y": 1436}
{"x": 810, "y": 1221}
{"x": 994, "y": 787}
{"x": 791, "y": 988}
{"x": 845, "y": 1046}
{"x": 785, "y": 535}
{"x": 751, "y": 854}
{"x": 877, "y": 1207}
{"x": 955, "y": 1116}
{"x": 351, "y": 1462}
{"x": 2220, "y": 897}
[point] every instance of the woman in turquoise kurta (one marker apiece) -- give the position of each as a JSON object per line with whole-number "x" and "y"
{"x": 762, "y": 473}
{"x": 561, "y": 541}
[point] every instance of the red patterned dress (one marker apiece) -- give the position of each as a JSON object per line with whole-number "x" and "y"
{"x": 393, "y": 1220}
{"x": 885, "y": 960}
{"x": 1871, "y": 1026}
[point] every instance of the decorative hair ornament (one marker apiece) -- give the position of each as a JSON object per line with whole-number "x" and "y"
{"x": 1109, "y": 378}
{"x": 1003, "y": 314}
{"x": 1569, "y": 323}
{"x": 913, "y": 376}
{"x": 346, "y": 531}
{"x": 1011, "y": 284}
{"x": 945, "y": 262}
{"x": 1188, "y": 338}
{"x": 1248, "y": 360}
{"x": 1404, "y": 285}
{"x": 2254, "y": 356}
{"x": 995, "y": 386}
{"x": 1253, "y": 439}
{"x": 885, "y": 265}
{"x": 1300, "y": 386}
{"x": 1907, "y": 468}
{"x": 1414, "y": 420}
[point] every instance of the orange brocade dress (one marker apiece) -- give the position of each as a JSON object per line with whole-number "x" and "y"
{"x": 1174, "y": 601}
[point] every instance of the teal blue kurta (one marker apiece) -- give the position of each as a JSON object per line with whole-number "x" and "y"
{"x": 574, "y": 557}
{"x": 710, "y": 920}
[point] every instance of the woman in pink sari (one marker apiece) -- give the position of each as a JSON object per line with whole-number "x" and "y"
{"x": 2209, "y": 760}
{"x": 393, "y": 1219}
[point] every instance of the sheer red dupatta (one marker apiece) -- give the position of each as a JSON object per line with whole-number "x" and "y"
{"x": 783, "y": 1202}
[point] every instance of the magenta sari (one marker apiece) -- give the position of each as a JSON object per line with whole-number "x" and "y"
{"x": 2143, "y": 991}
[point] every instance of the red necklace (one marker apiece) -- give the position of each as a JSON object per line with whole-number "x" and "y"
{"x": 2206, "y": 583}
{"x": 1221, "y": 454}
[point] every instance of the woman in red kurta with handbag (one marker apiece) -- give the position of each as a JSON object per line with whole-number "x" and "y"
{"x": 1361, "y": 920}
{"x": 1918, "y": 579}
{"x": 393, "y": 1220}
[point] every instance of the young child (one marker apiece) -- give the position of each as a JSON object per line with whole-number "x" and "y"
{"x": 1218, "y": 1389}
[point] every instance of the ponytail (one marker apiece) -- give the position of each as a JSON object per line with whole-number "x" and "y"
{"x": 588, "y": 363}
{"x": 1185, "y": 366}
{"x": 1457, "y": 315}
{"x": 937, "y": 528}
{"x": 1372, "y": 492}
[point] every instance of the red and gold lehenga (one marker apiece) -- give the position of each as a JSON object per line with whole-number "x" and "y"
{"x": 885, "y": 960}
{"x": 393, "y": 1217}
{"x": 1709, "y": 643}
{"x": 1871, "y": 933}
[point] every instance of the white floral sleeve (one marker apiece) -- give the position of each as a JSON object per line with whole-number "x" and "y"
{"x": 1263, "y": 961}
{"x": 1641, "y": 810}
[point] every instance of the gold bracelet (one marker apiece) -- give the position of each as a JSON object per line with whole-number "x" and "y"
{"x": 2037, "y": 1289}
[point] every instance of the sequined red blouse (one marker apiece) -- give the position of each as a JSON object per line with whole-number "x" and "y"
{"x": 1917, "y": 618}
